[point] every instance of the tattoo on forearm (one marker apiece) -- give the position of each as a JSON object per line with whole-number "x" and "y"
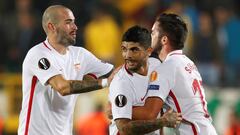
{"x": 140, "y": 126}
{"x": 84, "y": 86}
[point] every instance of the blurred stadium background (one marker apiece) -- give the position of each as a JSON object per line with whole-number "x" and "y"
{"x": 213, "y": 43}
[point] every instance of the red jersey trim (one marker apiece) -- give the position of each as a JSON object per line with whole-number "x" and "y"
{"x": 194, "y": 129}
{"x": 93, "y": 75}
{"x": 34, "y": 81}
{"x": 127, "y": 70}
{"x": 154, "y": 97}
{"x": 192, "y": 126}
{"x": 171, "y": 94}
{"x": 46, "y": 45}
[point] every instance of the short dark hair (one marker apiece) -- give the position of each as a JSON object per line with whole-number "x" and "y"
{"x": 174, "y": 27}
{"x": 139, "y": 35}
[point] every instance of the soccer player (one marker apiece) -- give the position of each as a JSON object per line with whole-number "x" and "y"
{"x": 180, "y": 82}
{"x": 52, "y": 70}
{"x": 130, "y": 86}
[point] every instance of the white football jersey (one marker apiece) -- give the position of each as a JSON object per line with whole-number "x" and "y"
{"x": 44, "y": 110}
{"x": 181, "y": 89}
{"x": 130, "y": 89}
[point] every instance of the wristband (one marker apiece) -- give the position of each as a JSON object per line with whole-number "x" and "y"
{"x": 104, "y": 83}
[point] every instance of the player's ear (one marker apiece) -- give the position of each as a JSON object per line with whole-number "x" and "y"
{"x": 164, "y": 40}
{"x": 51, "y": 26}
{"x": 149, "y": 51}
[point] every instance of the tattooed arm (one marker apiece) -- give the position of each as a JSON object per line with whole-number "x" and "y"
{"x": 67, "y": 87}
{"x": 84, "y": 86}
{"x": 90, "y": 83}
{"x": 128, "y": 127}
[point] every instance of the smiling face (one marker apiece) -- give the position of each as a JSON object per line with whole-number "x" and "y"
{"x": 135, "y": 55}
{"x": 66, "y": 28}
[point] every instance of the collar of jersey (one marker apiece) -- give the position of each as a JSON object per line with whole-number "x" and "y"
{"x": 133, "y": 73}
{"x": 175, "y": 52}
{"x": 52, "y": 49}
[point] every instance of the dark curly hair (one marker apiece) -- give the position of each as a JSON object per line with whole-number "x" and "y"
{"x": 139, "y": 35}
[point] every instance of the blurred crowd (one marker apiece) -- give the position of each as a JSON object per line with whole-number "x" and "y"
{"x": 213, "y": 42}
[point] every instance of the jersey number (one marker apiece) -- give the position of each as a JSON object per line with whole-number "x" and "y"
{"x": 197, "y": 88}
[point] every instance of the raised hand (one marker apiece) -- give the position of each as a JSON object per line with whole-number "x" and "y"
{"x": 171, "y": 118}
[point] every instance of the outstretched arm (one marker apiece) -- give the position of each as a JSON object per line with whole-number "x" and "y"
{"x": 152, "y": 107}
{"x": 67, "y": 87}
{"x": 128, "y": 127}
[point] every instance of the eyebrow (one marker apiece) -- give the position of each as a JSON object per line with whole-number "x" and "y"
{"x": 69, "y": 20}
{"x": 135, "y": 48}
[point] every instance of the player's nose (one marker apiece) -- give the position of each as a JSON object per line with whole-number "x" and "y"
{"x": 74, "y": 27}
{"x": 129, "y": 54}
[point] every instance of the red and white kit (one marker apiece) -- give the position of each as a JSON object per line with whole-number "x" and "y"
{"x": 130, "y": 89}
{"x": 181, "y": 89}
{"x": 44, "y": 110}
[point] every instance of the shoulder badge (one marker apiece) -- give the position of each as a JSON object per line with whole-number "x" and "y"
{"x": 153, "y": 76}
{"x": 43, "y": 63}
{"x": 120, "y": 100}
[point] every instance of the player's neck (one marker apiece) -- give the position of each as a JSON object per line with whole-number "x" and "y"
{"x": 58, "y": 47}
{"x": 164, "y": 52}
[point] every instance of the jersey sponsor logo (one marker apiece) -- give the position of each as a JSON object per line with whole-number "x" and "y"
{"x": 77, "y": 66}
{"x": 153, "y": 76}
{"x": 43, "y": 63}
{"x": 120, "y": 100}
{"x": 142, "y": 99}
{"x": 153, "y": 87}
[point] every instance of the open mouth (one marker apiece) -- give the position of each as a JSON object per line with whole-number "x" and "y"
{"x": 73, "y": 33}
{"x": 130, "y": 62}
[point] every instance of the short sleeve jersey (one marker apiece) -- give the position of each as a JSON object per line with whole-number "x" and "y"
{"x": 128, "y": 90}
{"x": 44, "y": 111}
{"x": 181, "y": 87}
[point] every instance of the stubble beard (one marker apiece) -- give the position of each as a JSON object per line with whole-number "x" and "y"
{"x": 158, "y": 47}
{"x": 136, "y": 68}
{"x": 64, "y": 39}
